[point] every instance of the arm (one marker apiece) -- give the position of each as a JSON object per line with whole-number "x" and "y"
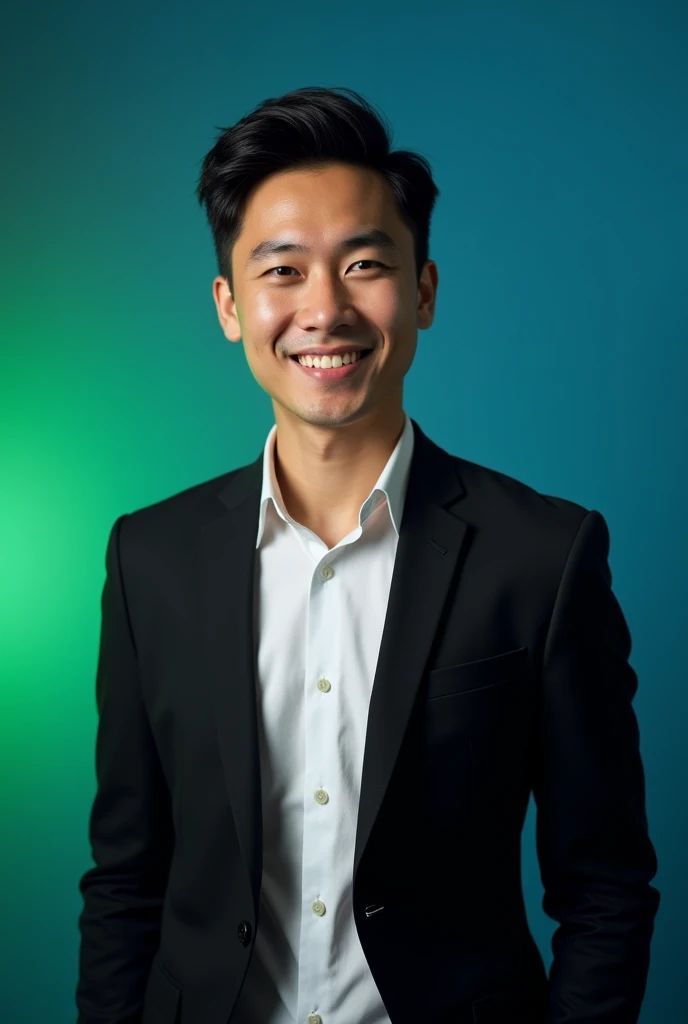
{"x": 596, "y": 858}
{"x": 130, "y": 827}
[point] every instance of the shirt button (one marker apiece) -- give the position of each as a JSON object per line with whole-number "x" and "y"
{"x": 318, "y": 908}
{"x": 323, "y": 685}
{"x": 313, "y": 1018}
{"x": 327, "y": 572}
{"x": 321, "y": 796}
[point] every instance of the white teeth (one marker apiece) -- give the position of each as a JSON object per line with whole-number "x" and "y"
{"x": 327, "y": 363}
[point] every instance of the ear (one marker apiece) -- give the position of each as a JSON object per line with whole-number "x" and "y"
{"x": 427, "y": 293}
{"x": 226, "y": 309}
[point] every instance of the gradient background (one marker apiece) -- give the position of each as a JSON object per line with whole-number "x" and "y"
{"x": 557, "y": 136}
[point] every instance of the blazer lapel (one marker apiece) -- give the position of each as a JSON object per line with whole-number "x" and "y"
{"x": 431, "y": 537}
{"x": 228, "y": 549}
{"x": 430, "y": 540}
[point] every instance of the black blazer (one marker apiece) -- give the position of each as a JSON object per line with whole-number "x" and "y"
{"x": 503, "y": 669}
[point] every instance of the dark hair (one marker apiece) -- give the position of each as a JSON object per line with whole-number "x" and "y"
{"x": 309, "y": 127}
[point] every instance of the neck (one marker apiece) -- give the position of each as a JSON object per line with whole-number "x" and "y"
{"x": 326, "y": 473}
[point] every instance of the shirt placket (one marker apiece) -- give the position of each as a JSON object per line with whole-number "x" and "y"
{"x": 320, "y": 794}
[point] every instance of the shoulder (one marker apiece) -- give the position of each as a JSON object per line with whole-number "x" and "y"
{"x": 172, "y": 522}
{"x": 520, "y": 524}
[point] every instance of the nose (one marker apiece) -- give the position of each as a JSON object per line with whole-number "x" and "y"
{"x": 325, "y": 306}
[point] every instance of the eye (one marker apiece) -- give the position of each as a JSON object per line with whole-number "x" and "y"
{"x": 368, "y": 261}
{"x": 270, "y": 272}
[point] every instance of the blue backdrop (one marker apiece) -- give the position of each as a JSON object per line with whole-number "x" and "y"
{"x": 557, "y": 135}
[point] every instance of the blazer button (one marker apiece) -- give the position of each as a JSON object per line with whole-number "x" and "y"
{"x": 244, "y": 932}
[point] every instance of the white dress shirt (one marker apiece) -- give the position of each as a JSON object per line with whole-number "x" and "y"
{"x": 319, "y": 619}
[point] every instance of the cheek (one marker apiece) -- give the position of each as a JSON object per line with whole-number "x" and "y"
{"x": 386, "y": 309}
{"x": 267, "y": 309}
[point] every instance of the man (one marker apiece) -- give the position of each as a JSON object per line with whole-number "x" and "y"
{"x": 330, "y": 679}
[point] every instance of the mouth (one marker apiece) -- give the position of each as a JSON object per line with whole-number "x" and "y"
{"x": 319, "y": 373}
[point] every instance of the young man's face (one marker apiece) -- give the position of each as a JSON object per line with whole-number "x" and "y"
{"x": 327, "y": 297}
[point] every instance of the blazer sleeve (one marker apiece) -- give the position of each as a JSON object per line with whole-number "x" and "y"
{"x": 130, "y": 826}
{"x": 595, "y": 855}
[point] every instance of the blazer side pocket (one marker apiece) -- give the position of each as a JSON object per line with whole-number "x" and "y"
{"x": 162, "y": 998}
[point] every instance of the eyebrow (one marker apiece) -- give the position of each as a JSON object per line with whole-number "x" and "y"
{"x": 375, "y": 238}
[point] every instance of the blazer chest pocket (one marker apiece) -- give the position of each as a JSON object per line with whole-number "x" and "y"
{"x": 474, "y": 730}
{"x": 468, "y": 676}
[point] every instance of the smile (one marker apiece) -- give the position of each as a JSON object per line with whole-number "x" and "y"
{"x": 333, "y": 372}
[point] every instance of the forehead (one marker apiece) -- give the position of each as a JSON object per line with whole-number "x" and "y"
{"x": 320, "y": 204}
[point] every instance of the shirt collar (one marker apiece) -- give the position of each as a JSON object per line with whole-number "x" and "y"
{"x": 390, "y": 485}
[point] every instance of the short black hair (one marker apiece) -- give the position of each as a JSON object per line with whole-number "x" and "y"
{"x": 308, "y": 128}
